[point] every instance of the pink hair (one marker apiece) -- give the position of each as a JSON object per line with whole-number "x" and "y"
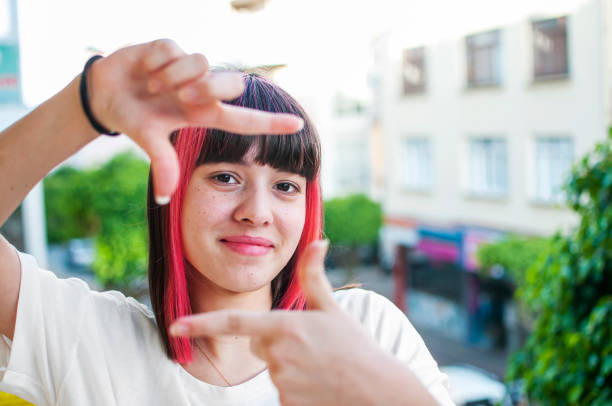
{"x": 176, "y": 303}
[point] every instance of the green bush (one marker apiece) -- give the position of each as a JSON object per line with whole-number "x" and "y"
{"x": 352, "y": 220}
{"x": 567, "y": 359}
{"x": 69, "y": 206}
{"x": 514, "y": 253}
{"x": 107, "y": 203}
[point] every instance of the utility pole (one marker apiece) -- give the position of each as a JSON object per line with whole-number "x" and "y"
{"x": 30, "y": 235}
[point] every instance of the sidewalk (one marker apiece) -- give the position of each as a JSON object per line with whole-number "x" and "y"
{"x": 445, "y": 351}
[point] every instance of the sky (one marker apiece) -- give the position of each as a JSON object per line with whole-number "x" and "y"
{"x": 326, "y": 44}
{"x": 312, "y": 39}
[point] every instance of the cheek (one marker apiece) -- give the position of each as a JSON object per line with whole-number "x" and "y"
{"x": 292, "y": 221}
{"x": 201, "y": 211}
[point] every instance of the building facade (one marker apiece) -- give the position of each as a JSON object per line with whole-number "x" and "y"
{"x": 480, "y": 129}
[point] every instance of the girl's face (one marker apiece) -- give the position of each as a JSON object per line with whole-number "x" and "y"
{"x": 241, "y": 222}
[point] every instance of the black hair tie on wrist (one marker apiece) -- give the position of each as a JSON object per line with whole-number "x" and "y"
{"x": 85, "y": 100}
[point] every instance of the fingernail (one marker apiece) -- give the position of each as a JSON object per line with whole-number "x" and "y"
{"x": 188, "y": 94}
{"x": 322, "y": 246}
{"x": 301, "y": 125}
{"x": 162, "y": 200}
{"x": 222, "y": 84}
{"x": 179, "y": 329}
{"x": 325, "y": 245}
{"x": 154, "y": 85}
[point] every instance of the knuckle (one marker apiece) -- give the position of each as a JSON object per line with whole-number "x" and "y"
{"x": 234, "y": 323}
{"x": 165, "y": 45}
{"x": 277, "y": 354}
{"x": 286, "y": 326}
{"x": 201, "y": 61}
{"x": 204, "y": 87}
{"x": 275, "y": 369}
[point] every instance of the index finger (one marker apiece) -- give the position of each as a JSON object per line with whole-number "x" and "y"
{"x": 247, "y": 121}
{"x": 228, "y": 322}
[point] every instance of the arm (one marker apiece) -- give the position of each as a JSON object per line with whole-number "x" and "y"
{"x": 29, "y": 149}
{"x": 123, "y": 99}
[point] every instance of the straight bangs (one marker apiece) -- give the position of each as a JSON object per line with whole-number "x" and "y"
{"x": 298, "y": 153}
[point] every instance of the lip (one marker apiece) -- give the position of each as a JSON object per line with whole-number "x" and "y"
{"x": 248, "y": 245}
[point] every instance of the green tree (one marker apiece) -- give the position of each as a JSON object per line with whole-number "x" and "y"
{"x": 351, "y": 222}
{"x": 514, "y": 253}
{"x": 567, "y": 359}
{"x": 120, "y": 204}
{"x": 69, "y": 205}
{"x": 107, "y": 203}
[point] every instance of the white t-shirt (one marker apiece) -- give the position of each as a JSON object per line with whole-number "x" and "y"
{"x": 75, "y": 346}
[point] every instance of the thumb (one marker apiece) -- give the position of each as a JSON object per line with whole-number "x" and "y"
{"x": 165, "y": 168}
{"x": 311, "y": 273}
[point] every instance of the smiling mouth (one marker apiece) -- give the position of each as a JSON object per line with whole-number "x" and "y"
{"x": 251, "y": 246}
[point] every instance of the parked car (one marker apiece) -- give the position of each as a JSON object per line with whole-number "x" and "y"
{"x": 472, "y": 386}
{"x": 81, "y": 252}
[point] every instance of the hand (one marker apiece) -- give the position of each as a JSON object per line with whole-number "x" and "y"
{"x": 316, "y": 357}
{"x": 149, "y": 90}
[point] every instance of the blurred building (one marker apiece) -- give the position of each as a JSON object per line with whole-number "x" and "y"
{"x": 480, "y": 129}
{"x": 26, "y": 227}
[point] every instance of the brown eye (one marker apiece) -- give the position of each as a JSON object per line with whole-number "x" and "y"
{"x": 225, "y": 178}
{"x": 287, "y": 187}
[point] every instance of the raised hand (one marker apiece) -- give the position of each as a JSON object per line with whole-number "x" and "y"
{"x": 149, "y": 90}
{"x": 316, "y": 357}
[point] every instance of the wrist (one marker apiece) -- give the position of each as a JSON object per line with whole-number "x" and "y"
{"x": 77, "y": 125}
{"x": 380, "y": 378}
{"x": 401, "y": 385}
{"x": 93, "y": 96}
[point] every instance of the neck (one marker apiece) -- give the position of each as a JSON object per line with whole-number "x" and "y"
{"x": 205, "y": 296}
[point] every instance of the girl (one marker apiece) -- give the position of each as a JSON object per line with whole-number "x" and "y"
{"x": 235, "y": 246}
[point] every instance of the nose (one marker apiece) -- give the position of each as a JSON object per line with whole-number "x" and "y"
{"x": 254, "y": 208}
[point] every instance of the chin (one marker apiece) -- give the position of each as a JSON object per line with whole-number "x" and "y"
{"x": 246, "y": 279}
{"x": 243, "y": 286}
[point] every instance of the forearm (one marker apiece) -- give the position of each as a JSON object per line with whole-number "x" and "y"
{"x": 384, "y": 380}
{"x": 400, "y": 386}
{"x": 41, "y": 140}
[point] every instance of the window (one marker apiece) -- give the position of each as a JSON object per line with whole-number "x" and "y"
{"x": 483, "y": 58}
{"x": 413, "y": 70}
{"x": 352, "y": 165}
{"x": 550, "y": 56}
{"x": 488, "y": 171}
{"x": 553, "y": 163}
{"x": 417, "y": 163}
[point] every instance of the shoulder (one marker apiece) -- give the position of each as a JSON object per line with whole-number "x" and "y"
{"x": 364, "y": 304}
{"x": 72, "y": 296}
{"x": 387, "y": 324}
{"x": 394, "y": 333}
{"x": 377, "y": 314}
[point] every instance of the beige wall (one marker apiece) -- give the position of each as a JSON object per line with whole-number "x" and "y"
{"x": 518, "y": 110}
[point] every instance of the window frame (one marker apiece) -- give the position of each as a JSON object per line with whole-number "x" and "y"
{"x": 494, "y": 188}
{"x": 425, "y": 164}
{"x": 540, "y": 69}
{"x": 479, "y": 44}
{"x": 551, "y": 196}
{"x": 415, "y": 58}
